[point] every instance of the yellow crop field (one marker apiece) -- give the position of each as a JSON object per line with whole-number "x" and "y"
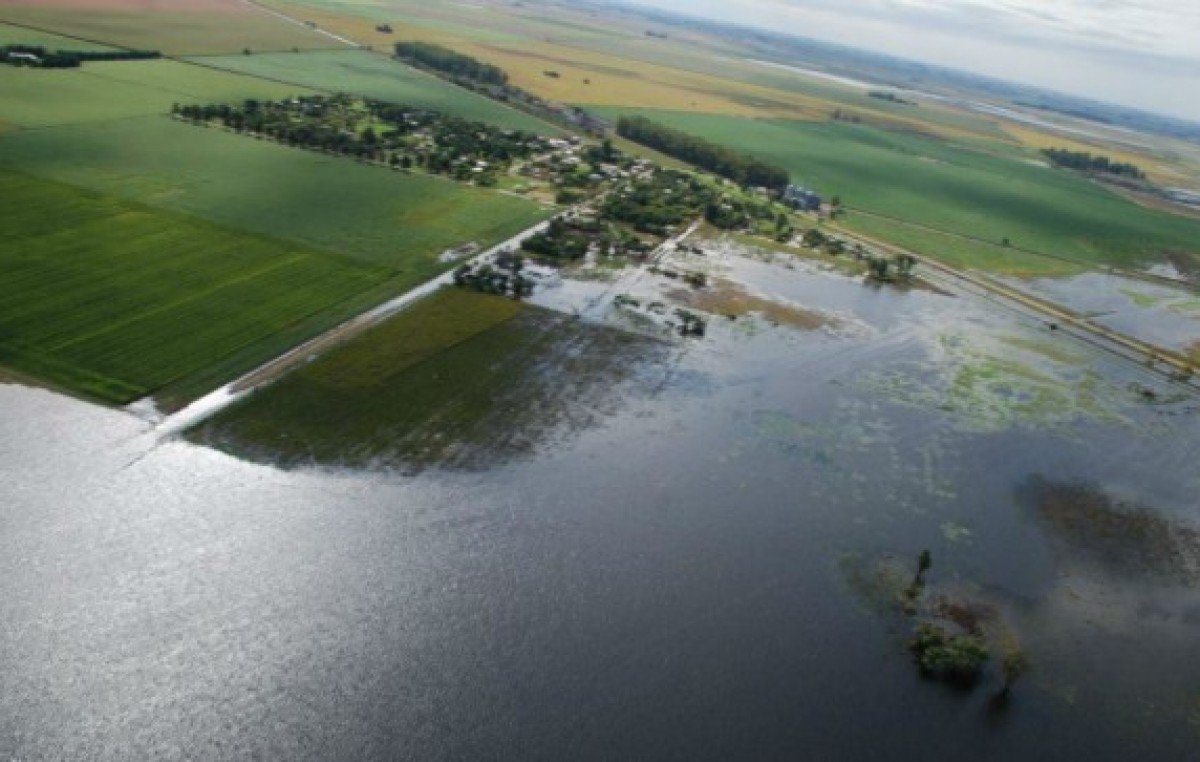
{"x": 1035, "y": 138}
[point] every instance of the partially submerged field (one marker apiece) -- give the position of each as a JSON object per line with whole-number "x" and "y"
{"x": 375, "y": 76}
{"x": 460, "y": 380}
{"x": 955, "y": 202}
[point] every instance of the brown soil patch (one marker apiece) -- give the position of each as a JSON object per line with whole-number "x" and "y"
{"x": 727, "y": 298}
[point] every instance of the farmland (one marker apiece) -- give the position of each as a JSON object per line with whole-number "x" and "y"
{"x": 614, "y": 63}
{"x": 131, "y": 229}
{"x": 210, "y": 26}
{"x": 964, "y": 192}
{"x": 459, "y": 380}
{"x": 402, "y": 221}
{"x": 106, "y": 91}
{"x": 117, "y": 300}
{"x": 375, "y": 76}
{"x": 15, "y": 35}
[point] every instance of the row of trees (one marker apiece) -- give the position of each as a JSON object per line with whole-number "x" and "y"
{"x": 446, "y": 61}
{"x": 1086, "y": 162}
{"x": 40, "y": 57}
{"x": 734, "y": 165}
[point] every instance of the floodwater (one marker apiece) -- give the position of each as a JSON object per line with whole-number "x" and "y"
{"x": 1166, "y": 316}
{"x": 673, "y": 581}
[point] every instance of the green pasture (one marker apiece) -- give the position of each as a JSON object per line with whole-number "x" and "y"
{"x": 952, "y": 189}
{"x": 456, "y": 381}
{"x": 16, "y": 35}
{"x": 115, "y": 300}
{"x": 175, "y": 32}
{"x": 373, "y": 214}
{"x": 119, "y": 90}
{"x": 375, "y": 76}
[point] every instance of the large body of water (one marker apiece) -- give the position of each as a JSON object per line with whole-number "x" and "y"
{"x": 675, "y": 581}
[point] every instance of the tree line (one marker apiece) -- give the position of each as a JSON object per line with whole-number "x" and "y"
{"x": 1086, "y": 162}
{"x": 19, "y": 55}
{"x": 734, "y": 165}
{"x": 446, "y": 61}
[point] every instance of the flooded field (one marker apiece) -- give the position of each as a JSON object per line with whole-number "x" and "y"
{"x": 1163, "y": 315}
{"x": 578, "y": 534}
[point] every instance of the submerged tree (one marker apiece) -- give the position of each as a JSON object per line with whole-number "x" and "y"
{"x": 957, "y": 659}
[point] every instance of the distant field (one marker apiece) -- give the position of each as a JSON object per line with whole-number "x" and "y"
{"x": 15, "y": 35}
{"x": 600, "y": 63}
{"x": 116, "y": 301}
{"x": 104, "y": 91}
{"x": 373, "y": 214}
{"x": 456, "y": 381}
{"x": 936, "y": 184}
{"x": 375, "y": 76}
{"x": 207, "y": 26}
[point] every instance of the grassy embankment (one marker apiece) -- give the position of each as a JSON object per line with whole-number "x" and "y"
{"x": 456, "y": 380}
{"x": 133, "y": 296}
{"x": 957, "y": 204}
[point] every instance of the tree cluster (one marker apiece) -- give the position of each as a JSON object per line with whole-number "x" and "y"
{"x": 503, "y": 277}
{"x": 447, "y": 61}
{"x": 18, "y": 55}
{"x": 890, "y": 97}
{"x": 1086, "y": 162}
{"x": 562, "y": 240}
{"x": 734, "y": 165}
{"x": 400, "y": 136}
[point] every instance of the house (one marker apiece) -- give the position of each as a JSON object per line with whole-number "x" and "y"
{"x": 801, "y": 199}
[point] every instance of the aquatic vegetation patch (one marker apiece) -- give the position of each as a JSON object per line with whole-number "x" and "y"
{"x": 838, "y": 445}
{"x": 460, "y": 381}
{"x": 1182, "y": 304}
{"x": 1121, "y": 536}
{"x": 993, "y": 382}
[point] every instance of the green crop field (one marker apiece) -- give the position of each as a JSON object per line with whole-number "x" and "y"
{"x": 458, "y": 378}
{"x": 374, "y": 214}
{"x": 242, "y": 246}
{"x": 119, "y": 90}
{"x": 16, "y": 35}
{"x": 374, "y": 76}
{"x": 116, "y": 300}
{"x": 222, "y": 26}
{"x": 964, "y": 192}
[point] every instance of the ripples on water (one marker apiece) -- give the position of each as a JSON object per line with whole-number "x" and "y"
{"x": 666, "y": 582}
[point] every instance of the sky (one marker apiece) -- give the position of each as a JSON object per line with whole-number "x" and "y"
{"x": 1141, "y": 53}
